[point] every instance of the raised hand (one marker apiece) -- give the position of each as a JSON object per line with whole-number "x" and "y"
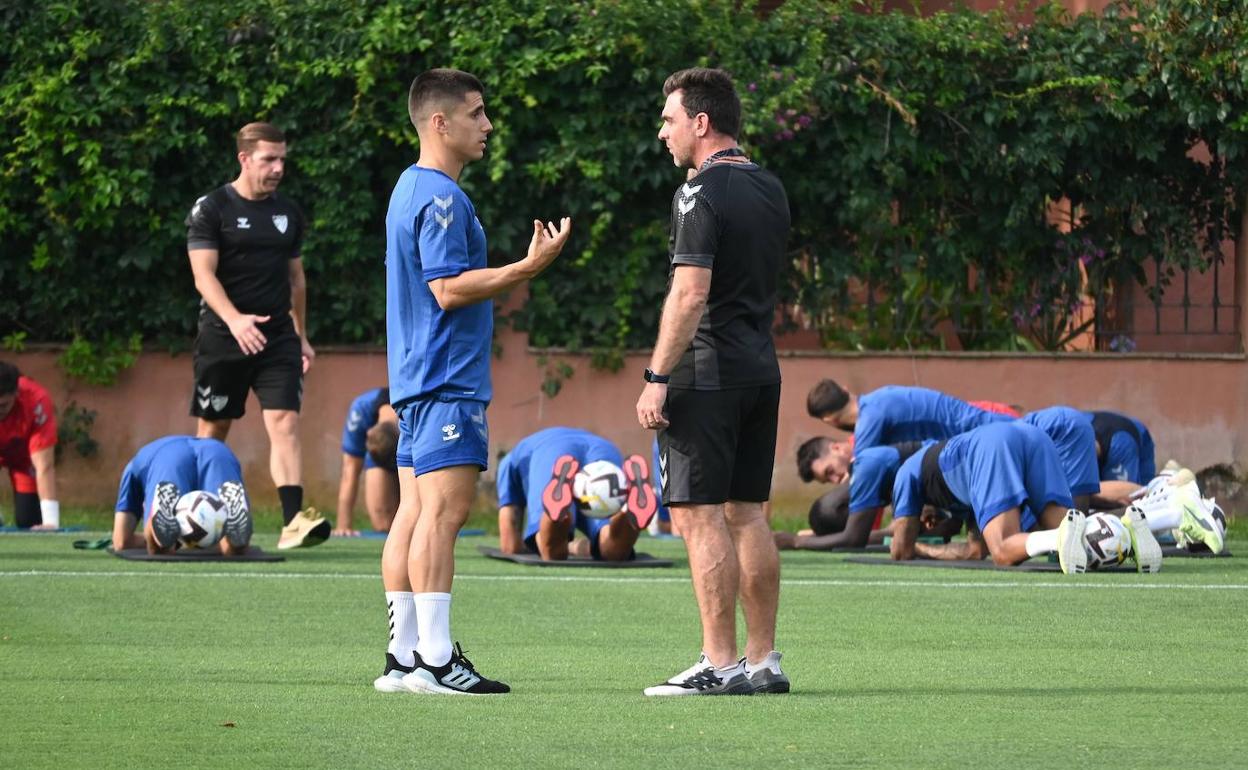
{"x": 547, "y": 242}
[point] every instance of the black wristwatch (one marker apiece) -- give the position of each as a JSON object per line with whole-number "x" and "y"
{"x": 661, "y": 379}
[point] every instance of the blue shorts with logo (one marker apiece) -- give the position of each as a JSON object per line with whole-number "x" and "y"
{"x": 437, "y": 433}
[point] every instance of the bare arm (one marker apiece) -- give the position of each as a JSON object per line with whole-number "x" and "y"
{"x": 974, "y": 549}
{"x": 124, "y": 535}
{"x": 44, "y": 461}
{"x": 509, "y": 535}
{"x": 242, "y": 325}
{"x": 857, "y": 530}
{"x": 348, "y": 485}
{"x": 682, "y": 311}
{"x": 904, "y": 531}
{"x": 299, "y": 309}
{"x": 473, "y": 286}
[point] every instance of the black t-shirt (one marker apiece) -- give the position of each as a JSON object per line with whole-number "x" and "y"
{"x": 255, "y": 241}
{"x": 734, "y": 219}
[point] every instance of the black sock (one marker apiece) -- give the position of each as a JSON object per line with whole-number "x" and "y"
{"x": 292, "y": 501}
{"x": 26, "y": 511}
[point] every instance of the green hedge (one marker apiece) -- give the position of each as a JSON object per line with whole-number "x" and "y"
{"x": 918, "y": 152}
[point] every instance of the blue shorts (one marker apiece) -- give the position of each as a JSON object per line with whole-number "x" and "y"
{"x": 435, "y": 434}
{"x": 1002, "y": 466}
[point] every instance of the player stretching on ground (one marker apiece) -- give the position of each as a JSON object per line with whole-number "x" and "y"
{"x": 439, "y": 322}
{"x": 245, "y": 245}
{"x": 713, "y": 389}
{"x": 28, "y": 449}
{"x": 369, "y": 440}
{"x": 167, "y": 468}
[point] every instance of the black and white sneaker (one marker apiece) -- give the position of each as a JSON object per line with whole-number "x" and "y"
{"x": 237, "y": 527}
{"x": 702, "y": 678}
{"x": 767, "y": 676}
{"x": 164, "y": 520}
{"x": 457, "y": 677}
{"x": 391, "y": 680}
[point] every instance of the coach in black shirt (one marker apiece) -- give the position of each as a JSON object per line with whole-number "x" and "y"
{"x": 713, "y": 386}
{"x": 244, "y": 242}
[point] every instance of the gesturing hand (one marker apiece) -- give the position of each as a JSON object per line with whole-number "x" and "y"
{"x": 248, "y": 336}
{"x": 547, "y": 242}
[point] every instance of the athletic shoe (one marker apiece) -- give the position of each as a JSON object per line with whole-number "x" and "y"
{"x": 766, "y": 676}
{"x": 557, "y": 498}
{"x": 1200, "y": 521}
{"x": 642, "y": 503}
{"x": 1145, "y": 549}
{"x": 457, "y": 677}
{"x": 1070, "y": 550}
{"x": 164, "y": 521}
{"x": 702, "y": 678}
{"x": 391, "y": 680}
{"x": 237, "y": 527}
{"x": 307, "y": 529}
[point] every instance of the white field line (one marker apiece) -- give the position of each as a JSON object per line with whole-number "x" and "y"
{"x": 1143, "y": 584}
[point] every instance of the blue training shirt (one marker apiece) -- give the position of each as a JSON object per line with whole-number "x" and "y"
{"x": 187, "y": 462}
{"x": 895, "y": 414}
{"x": 517, "y": 486}
{"x": 871, "y": 478}
{"x": 360, "y": 417}
{"x": 432, "y": 232}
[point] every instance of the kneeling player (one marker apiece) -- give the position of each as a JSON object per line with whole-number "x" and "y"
{"x": 370, "y": 439}
{"x": 164, "y": 470}
{"x": 536, "y": 479}
{"x": 1009, "y": 476}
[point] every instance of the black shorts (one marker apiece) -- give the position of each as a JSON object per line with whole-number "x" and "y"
{"x": 224, "y": 374}
{"x": 720, "y": 445}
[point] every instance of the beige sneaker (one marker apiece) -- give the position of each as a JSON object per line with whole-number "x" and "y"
{"x": 307, "y": 529}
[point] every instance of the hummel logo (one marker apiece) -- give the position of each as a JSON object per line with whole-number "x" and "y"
{"x": 460, "y": 678}
{"x": 685, "y": 204}
{"x": 354, "y": 420}
{"x": 450, "y": 432}
{"x": 1118, "y": 472}
{"x": 445, "y": 221}
{"x": 663, "y": 469}
{"x": 688, "y": 191}
{"x": 243, "y": 224}
{"x": 443, "y": 203}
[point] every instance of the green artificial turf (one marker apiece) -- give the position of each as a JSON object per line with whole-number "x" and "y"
{"x": 109, "y": 663}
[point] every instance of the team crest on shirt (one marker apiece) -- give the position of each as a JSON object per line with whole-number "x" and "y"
{"x": 280, "y": 222}
{"x": 40, "y": 416}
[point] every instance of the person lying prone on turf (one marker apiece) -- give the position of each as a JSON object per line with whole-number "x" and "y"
{"x": 1009, "y": 477}
{"x": 560, "y": 480}
{"x": 168, "y": 469}
{"x": 870, "y": 474}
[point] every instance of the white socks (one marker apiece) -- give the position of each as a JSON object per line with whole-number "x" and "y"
{"x": 1042, "y": 542}
{"x": 433, "y": 617}
{"x": 402, "y": 610}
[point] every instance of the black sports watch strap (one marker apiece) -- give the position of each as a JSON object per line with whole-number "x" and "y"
{"x": 661, "y": 379}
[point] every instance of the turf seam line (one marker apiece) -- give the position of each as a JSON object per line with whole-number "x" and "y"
{"x": 802, "y": 582}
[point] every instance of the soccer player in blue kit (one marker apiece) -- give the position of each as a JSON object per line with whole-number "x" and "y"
{"x": 1075, "y": 442}
{"x": 536, "y": 510}
{"x": 895, "y": 414}
{"x": 439, "y": 324}
{"x": 369, "y": 441}
{"x": 167, "y": 468}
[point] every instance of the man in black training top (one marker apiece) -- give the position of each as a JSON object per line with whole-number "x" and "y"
{"x": 244, "y": 242}
{"x": 713, "y": 386}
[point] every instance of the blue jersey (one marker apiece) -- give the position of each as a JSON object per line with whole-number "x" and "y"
{"x": 360, "y": 417}
{"x": 187, "y": 462}
{"x": 871, "y": 478}
{"x": 432, "y": 232}
{"x": 896, "y": 414}
{"x": 1125, "y": 450}
{"x": 1075, "y": 442}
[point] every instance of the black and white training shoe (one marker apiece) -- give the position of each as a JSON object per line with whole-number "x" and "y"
{"x": 457, "y": 677}
{"x": 391, "y": 680}
{"x": 164, "y": 521}
{"x": 702, "y": 678}
{"x": 237, "y": 527}
{"x": 767, "y": 676}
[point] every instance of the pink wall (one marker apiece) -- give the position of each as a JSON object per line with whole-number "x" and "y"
{"x": 1193, "y": 405}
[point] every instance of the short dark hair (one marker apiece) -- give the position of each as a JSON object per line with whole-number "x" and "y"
{"x": 807, "y": 453}
{"x": 253, "y": 133}
{"x": 8, "y": 378}
{"x": 435, "y": 88}
{"x": 710, "y": 91}
{"x": 825, "y": 398}
{"x": 382, "y": 443}
{"x": 830, "y": 513}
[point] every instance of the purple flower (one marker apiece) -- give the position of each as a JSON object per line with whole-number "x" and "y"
{"x": 804, "y": 121}
{"x": 752, "y": 87}
{"x": 786, "y": 134}
{"x": 780, "y": 121}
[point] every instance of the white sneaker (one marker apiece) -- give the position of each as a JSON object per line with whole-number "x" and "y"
{"x": 1203, "y": 522}
{"x": 391, "y": 680}
{"x": 1070, "y": 552}
{"x": 1144, "y": 546}
{"x": 766, "y": 677}
{"x": 702, "y": 678}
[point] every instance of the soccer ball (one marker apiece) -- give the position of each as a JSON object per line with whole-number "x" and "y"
{"x": 601, "y": 489}
{"x": 1106, "y": 541}
{"x": 201, "y": 519}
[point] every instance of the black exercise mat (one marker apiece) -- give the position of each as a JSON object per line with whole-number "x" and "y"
{"x": 638, "y": 561}
{"x": 1027, "y": 566}
{"x": 1174, "y": 552}
{"x": 254, "y": 553}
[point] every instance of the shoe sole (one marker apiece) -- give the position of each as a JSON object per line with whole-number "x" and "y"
{"x": 642, "y": 503}
{"x": 770, "y": 683}
{"x": 1070, "y": 554}
{"x": 389, "y": 684}
{"x": 238, "y": 525}
{"x": 315, "y": 536}
{"x": 557, "y": 496}
{"x": 422, "y": 686}
{"x": 739, "y": 685}
{"x": 1193, "y": 525}
{"x": 1144, "y": 546}
{"x": 164, "y": 520}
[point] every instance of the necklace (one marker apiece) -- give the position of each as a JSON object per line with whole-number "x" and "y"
{"x": 731, "y": 152}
